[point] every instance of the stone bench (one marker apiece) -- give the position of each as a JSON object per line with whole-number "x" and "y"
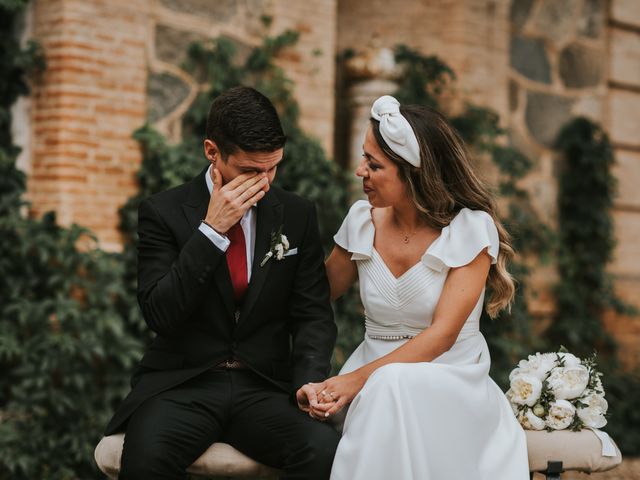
{"x": 549, "y": 454}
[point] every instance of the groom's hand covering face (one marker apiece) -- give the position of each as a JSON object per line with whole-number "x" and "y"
{"x": 238, "y": 183}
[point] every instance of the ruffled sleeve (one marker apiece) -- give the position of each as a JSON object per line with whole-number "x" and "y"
{"x": 470, "y": 232}
{"x": 357, "y": 231}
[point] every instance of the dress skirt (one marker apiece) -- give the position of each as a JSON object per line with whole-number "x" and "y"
{"x": 440, "y": 420}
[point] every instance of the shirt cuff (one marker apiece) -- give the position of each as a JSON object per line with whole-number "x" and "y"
{"x": 218, "y": 240}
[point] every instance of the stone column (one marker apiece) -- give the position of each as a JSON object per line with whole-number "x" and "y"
{"x": 362, "y": 95}
{"x": 372, "y": 75}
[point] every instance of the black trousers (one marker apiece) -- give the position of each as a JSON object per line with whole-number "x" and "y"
{"x": 168, "y": 432}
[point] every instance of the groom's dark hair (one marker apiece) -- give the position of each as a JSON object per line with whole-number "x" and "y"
{"x": 243, "y": 118}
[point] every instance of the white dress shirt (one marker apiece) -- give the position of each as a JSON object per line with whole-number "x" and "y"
{"x": 247, "y": 222}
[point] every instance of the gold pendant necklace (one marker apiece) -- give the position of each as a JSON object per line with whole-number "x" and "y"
{"x": 407, "y": 236}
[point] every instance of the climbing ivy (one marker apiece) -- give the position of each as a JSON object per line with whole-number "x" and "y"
{"x": 586, "y": 242}
{"x": 63, "y": 347}
{"x": 585, "y": 291}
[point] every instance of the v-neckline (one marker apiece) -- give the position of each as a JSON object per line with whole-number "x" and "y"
{"x": 403, "y": 274}
{"x": 382, "y": 260}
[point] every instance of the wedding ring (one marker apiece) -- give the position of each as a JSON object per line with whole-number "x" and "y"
{"x": 323, "y": 393}
{"x": 331, "y": 394}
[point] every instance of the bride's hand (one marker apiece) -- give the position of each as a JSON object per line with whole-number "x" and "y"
{"x": 336, "y": 392}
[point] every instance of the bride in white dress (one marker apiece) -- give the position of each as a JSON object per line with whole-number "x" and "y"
{"x": 421, "y": 404}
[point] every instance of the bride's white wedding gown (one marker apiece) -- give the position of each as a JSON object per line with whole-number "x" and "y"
{"x": 439, "y": 420}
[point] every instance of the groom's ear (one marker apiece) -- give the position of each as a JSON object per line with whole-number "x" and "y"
{"x": 211, "y": 151}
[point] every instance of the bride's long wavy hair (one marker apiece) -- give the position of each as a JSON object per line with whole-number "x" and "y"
{"x": 444, "y": 184}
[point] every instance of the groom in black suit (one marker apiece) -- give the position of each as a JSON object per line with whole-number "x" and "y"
{"x": 231, "y": 279}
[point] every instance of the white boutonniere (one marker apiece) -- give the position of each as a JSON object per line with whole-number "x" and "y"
{"x": 279, "y": 247}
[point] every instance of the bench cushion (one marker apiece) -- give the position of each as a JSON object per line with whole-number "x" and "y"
{"x": 580, "y": 451}
{"x": 219, "y": 459}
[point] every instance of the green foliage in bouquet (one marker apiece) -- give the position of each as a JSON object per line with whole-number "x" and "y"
{"x": 423, "y": 81}
{"x": 62, "y": 344}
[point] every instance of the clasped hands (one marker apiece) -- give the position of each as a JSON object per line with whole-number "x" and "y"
{"x": 324, "y": 399}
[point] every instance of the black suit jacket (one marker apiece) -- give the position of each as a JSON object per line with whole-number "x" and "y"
{"x": 284, "y": 330}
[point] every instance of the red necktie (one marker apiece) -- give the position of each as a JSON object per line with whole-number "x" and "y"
{"x": 237, "y": 261}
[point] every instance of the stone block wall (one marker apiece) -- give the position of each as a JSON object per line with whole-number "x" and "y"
{"x": 623, "y": 115}
{"x": 310, "y": 64}
{"x": 557, "y": 57}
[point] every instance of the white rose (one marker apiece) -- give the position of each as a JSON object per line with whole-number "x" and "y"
{"x": 279, "y": 251}
{"x": 593, "y": 415}
{"x": 525, "y": 390}
{"x": 541, "y": 363}
{"x": 285, "y": 241}
{"x": 530, "y": 421}
{"x": 568, "y": 382}
{"x": 560, "y": 415}
{"x": 537, "y": 365}
{"x": 570, "y": 360}
{"x": 518, "y": 371}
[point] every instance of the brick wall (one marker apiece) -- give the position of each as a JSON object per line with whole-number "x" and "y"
{"x": 85, "y": 107}
{"x": 311, "y": 64}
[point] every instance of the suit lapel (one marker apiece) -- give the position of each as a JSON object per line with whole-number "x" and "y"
{"x": 195, "y": 209}
{"x": 269, "y": 219}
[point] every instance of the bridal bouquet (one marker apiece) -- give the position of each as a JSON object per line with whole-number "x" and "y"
{"x": 555, "y": 391}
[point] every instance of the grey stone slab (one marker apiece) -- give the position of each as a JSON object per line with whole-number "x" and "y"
{"x": 529, "y": 57}
{"x": 172, "y": 44}
{"x": 217, "y": 10}
{"x": 545, "y": 115}
{"x": 581, "y": 66}
{"x": 164, "y": 93}
{"x": 591, "y": 21}
{"x": 520, "y": 10}
{"x": 556, "y": 19}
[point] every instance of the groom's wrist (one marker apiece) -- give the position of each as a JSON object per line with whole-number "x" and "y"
{"x": 218, "y": 239}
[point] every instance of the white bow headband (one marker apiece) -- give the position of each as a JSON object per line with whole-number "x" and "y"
{"x": 395, "y": 129}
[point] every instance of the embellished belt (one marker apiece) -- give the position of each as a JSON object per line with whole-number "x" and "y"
{"x": 390, "y": 337}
